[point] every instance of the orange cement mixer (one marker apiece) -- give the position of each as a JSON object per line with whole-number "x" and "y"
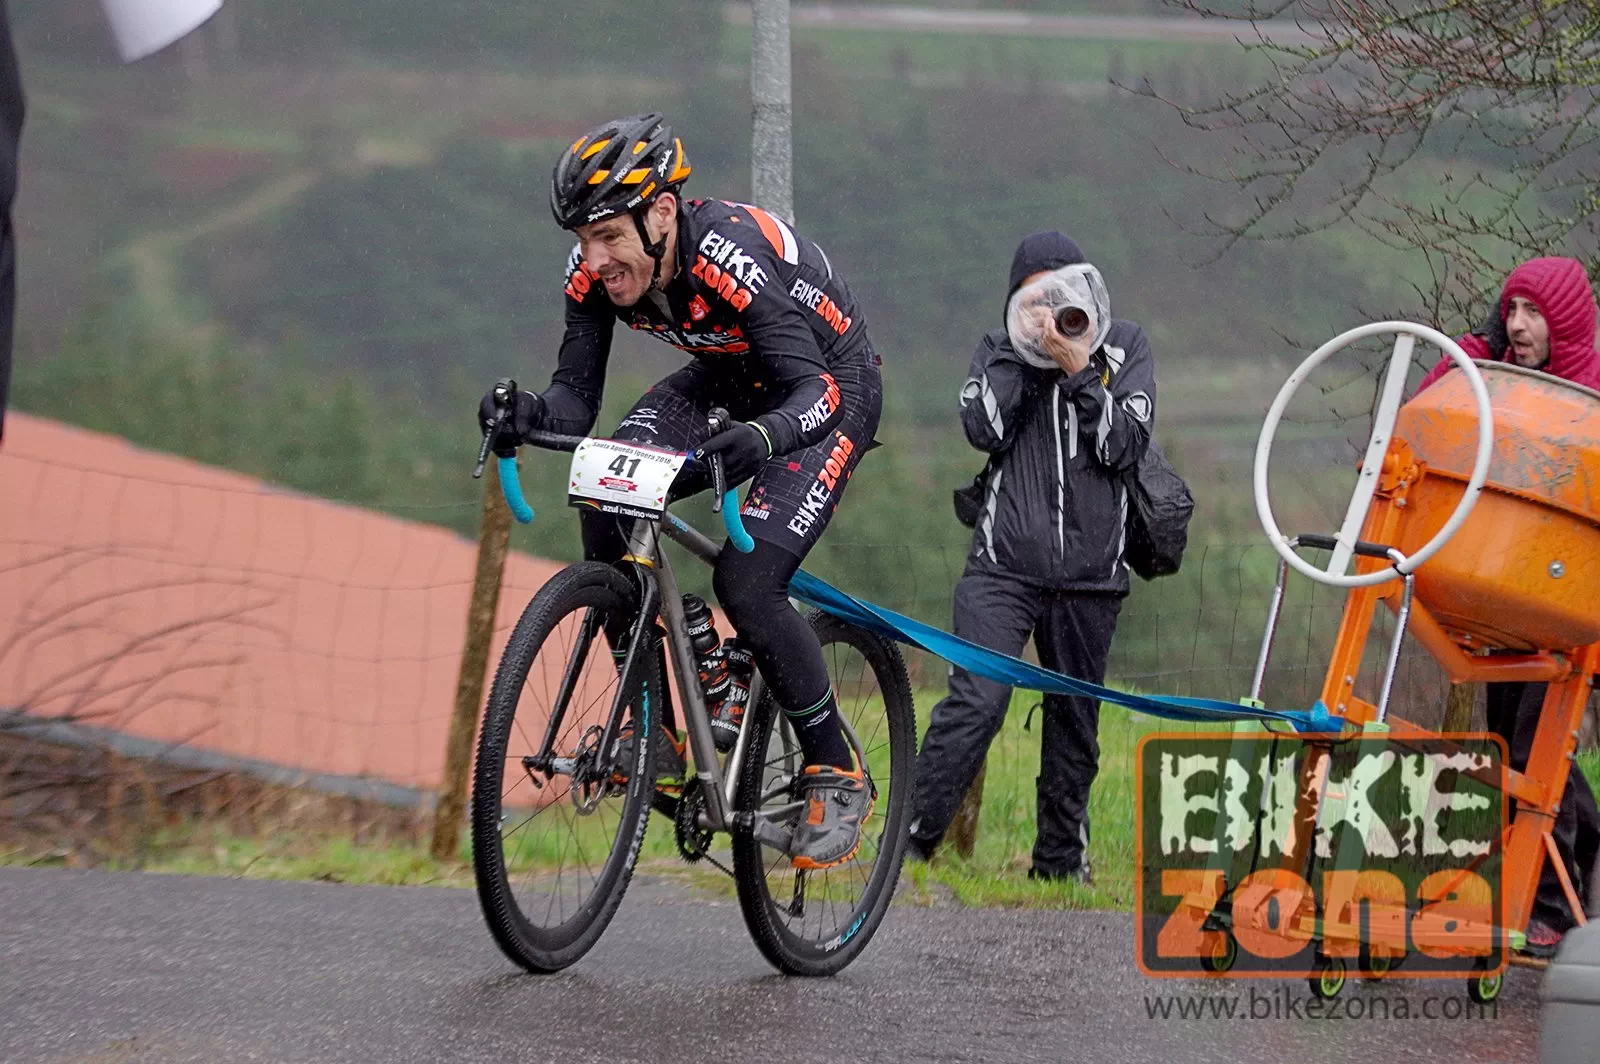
{"x": 1476, "y": 519}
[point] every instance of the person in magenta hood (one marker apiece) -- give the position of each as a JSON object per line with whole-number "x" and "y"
{"x": 1545, "y": 320}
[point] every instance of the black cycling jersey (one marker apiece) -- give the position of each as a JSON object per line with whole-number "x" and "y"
{"x": 750, "y": 299}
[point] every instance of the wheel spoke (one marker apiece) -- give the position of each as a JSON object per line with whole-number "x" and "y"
{"x": 835, "y": 898}
{"x": 564, "y": 842}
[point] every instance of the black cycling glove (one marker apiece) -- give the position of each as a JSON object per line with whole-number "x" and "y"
{"x": 527, "y": 415}
{"x": 744, "y": 449}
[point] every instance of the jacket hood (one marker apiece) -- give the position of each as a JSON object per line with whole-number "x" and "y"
{"x": 1559, "y": 287}
{"x": 1044, "y": 250}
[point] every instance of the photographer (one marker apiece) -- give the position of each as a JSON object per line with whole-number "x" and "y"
{"x": 1063, "y": 399}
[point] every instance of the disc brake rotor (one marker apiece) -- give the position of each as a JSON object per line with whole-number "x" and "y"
{"x": 587, "y": 789}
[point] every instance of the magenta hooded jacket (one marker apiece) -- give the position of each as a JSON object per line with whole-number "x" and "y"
{"x": 1559, "y": 287}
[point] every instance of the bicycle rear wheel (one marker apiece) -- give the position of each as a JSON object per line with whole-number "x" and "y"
{"x": 816, "y": 923}
{"x": 554, "y": 844}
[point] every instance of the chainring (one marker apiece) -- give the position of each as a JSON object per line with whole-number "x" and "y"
{"x": 694, "y": 842}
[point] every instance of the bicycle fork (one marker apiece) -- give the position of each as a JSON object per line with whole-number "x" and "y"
{"x": 629, "y": 684}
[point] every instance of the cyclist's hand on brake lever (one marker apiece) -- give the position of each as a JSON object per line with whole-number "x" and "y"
{"x": 525, "y": 418}
{"x": 744, "y": 449}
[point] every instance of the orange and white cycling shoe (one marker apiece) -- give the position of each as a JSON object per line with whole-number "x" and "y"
{"x": 838, "y": 803}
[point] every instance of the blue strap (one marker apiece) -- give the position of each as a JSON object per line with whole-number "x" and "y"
{"x": 1014, "y": 672}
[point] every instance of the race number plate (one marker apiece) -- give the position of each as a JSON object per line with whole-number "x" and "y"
{"x": 629, "y": 479}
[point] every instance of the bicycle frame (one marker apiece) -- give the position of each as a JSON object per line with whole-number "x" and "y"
{"x": 660, "y": 593}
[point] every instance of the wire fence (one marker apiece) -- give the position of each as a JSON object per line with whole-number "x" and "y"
{"x": 173, "y": 604}
{"x": 159, "y": 608}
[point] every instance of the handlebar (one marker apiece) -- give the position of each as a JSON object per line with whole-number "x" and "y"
{"x": 725, "y": 500}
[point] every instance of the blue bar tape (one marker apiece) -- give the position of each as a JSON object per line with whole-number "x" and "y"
{"x": 511, "y": 488}
{"x": 735, "y": 524}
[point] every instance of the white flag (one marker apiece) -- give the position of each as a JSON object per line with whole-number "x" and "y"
{"x": 145, "y": 26}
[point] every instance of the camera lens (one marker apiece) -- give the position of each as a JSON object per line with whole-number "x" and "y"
{"x": 1072, "y": 321}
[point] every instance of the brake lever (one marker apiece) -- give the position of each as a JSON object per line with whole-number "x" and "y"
{"x": 717, "y": 481}
{"x": 718, "y": 420}
{"x": 505, "y": 393}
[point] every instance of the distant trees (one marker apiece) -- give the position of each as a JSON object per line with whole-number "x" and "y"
{"x": 1461, "y": 130}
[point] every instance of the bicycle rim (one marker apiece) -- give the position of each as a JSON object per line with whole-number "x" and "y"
{"x": 815, "y": 923}
{"x": 554, "y": 847}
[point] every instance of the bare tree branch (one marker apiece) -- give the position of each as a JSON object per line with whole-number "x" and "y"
{"x": 1462, "y": 131}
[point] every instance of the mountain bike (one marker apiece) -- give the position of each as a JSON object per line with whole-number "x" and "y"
{"x": 576, "y": 729}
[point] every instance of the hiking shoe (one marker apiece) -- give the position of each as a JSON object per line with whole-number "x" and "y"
{"x": 838, "y": 802}
{"x": 669, "y": 760}
{"x": 1543, "y": 940}
{"x": 1082, "y": 875}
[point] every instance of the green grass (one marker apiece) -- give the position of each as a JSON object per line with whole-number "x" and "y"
{"x": 1589, "y": 761}
{"x": 212, "y": 850}
{"x": 995, "y": 877}
{"x": 996, "y": 874}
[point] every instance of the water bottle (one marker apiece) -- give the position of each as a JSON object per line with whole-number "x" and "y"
{"x": 707, "y": 647}
{"x": 725, "y": 722}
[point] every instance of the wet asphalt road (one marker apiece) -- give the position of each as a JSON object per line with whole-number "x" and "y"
{"x": 121, "y": 967}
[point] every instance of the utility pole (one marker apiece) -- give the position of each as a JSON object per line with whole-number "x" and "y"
{"x": 772, "y": 139}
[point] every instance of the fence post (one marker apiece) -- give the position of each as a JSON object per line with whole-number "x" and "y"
{"x": 963, "y": 833}
{"x": 1458, "y": 707}
{"x": 494, "y": 536}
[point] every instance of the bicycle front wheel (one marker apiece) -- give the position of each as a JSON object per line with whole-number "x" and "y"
{"x": 816, "y": 923}
{"x": 556, "y": 821}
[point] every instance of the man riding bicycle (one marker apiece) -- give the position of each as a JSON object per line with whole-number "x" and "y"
{"x": 779, "y": 342}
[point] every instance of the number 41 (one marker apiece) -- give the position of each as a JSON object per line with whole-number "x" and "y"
{"x": 623, "y": 462}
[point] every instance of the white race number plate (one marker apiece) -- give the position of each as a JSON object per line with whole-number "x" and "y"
{"x": 630, "y": 479}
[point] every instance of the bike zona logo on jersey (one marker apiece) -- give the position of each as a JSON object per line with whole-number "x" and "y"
{"x": 818, "y": 413}
{"x": 727, "y": 269}
{"x": 810, "y": 296}
{"x": 1267, "y": 855}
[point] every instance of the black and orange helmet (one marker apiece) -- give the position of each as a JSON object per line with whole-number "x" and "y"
{"x": 616, "y": 168}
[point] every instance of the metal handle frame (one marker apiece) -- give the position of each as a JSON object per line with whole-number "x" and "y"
{"x": 1402, "y": 619}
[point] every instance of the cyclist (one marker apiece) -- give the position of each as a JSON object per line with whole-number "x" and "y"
{"x": 779, "y": 342}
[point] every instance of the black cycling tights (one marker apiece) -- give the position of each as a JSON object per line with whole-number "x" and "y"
{"x": 754, "y": 591}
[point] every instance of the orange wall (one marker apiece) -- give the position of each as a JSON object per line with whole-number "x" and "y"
{"x": 173, "y": 601}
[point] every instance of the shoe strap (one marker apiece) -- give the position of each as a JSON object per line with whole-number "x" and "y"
{"x": 829, "y": 776}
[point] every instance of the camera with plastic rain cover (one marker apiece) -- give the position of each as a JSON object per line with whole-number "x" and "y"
{"x": 1072, "y": 321}
{"x": 1072, "y": 297}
